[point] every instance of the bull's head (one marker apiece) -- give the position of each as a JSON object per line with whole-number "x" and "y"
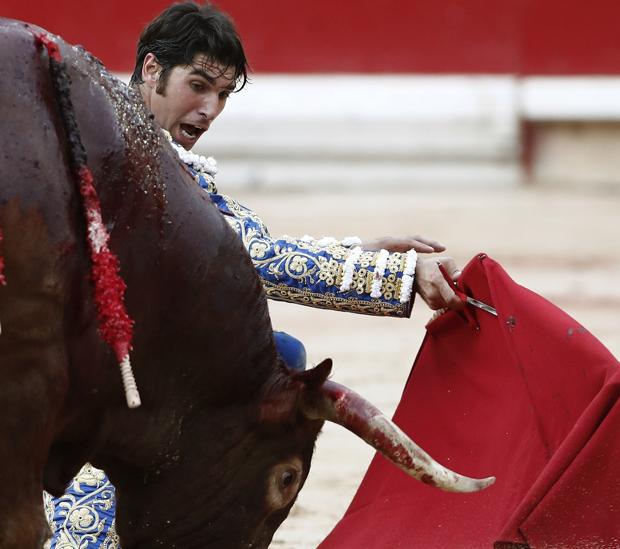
{"x": 244, "y": 496}
{"x": 242, "y": 493}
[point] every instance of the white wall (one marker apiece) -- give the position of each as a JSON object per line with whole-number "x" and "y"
{"x": 358, "y": 131}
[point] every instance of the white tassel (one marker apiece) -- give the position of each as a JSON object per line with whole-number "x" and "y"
{"x": 129, "y": 383}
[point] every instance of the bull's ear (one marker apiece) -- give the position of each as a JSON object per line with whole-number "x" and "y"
{"x": 315, "y": 377}
{"x": 280, "y": 401}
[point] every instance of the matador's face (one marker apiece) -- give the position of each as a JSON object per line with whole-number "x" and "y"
{"x": 191, "y": 96}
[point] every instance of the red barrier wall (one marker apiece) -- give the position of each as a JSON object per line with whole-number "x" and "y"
{"x": 547, "y": 37}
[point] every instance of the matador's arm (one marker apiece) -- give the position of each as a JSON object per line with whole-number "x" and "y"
{"x": 322, "y": 273}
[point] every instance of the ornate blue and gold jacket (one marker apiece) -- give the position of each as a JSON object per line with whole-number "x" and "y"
{"x": 323, "y": 273}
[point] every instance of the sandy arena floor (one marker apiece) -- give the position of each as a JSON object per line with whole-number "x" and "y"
{"x": 561, "y": 245}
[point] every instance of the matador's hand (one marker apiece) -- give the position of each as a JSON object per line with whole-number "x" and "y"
{"x": 432, "y": 286}
{"x": 394, "y": 244}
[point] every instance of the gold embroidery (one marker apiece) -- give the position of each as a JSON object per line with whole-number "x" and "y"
{"x": 330, "y": 301}
{"x": 300, "y": 263}
{"x": 330, "y": 271}
{"x": 367, "y": 259}
{"x": 396, "y": 262}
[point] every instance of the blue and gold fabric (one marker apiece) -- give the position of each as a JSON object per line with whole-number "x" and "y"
{"x": 307, "y": 272}
{"x": 83, "y": 518}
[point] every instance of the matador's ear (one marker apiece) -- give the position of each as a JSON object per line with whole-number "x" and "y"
{"x": 151, "y": 69}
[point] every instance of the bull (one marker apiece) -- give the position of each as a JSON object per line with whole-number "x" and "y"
{"x": 222, "y": 443}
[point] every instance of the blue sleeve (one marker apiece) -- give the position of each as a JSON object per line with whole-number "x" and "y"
{"x": 329, "y": 276}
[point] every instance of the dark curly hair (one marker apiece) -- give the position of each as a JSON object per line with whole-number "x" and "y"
{"x": 184, "y": 30}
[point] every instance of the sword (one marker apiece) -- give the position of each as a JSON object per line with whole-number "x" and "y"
{"x": 463, "y": 296}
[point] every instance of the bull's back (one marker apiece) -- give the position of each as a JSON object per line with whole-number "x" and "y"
{"x": 33, "y": 170}
{"x": 36, "y": 201}
{"x": 35, "y": 210}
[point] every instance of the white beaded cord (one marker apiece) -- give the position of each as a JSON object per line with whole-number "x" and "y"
{"x": 406, "y": 285}
{"x": 380, "y": 265}
{"x": 349, "y": 268}
{"x": 326, "y": 241}
{"x": 349, "y": 241}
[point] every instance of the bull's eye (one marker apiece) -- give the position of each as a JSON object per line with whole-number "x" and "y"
{"x": 288, "y": 477}
{"x": 285, "y": 480}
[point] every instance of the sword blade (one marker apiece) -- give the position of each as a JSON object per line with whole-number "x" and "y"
{"x": 481, "y": 305}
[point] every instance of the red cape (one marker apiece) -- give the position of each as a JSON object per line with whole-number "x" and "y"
{"x": 530, "y": 397}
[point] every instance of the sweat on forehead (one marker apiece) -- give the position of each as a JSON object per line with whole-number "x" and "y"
{"x": 211, "y": 70}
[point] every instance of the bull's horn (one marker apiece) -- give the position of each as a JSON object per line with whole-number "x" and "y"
{"x": 341, "y": 405}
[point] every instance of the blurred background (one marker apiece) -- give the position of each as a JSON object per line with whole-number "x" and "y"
{"x": 489, "y": 125}
{"x": 414, "y": 92}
